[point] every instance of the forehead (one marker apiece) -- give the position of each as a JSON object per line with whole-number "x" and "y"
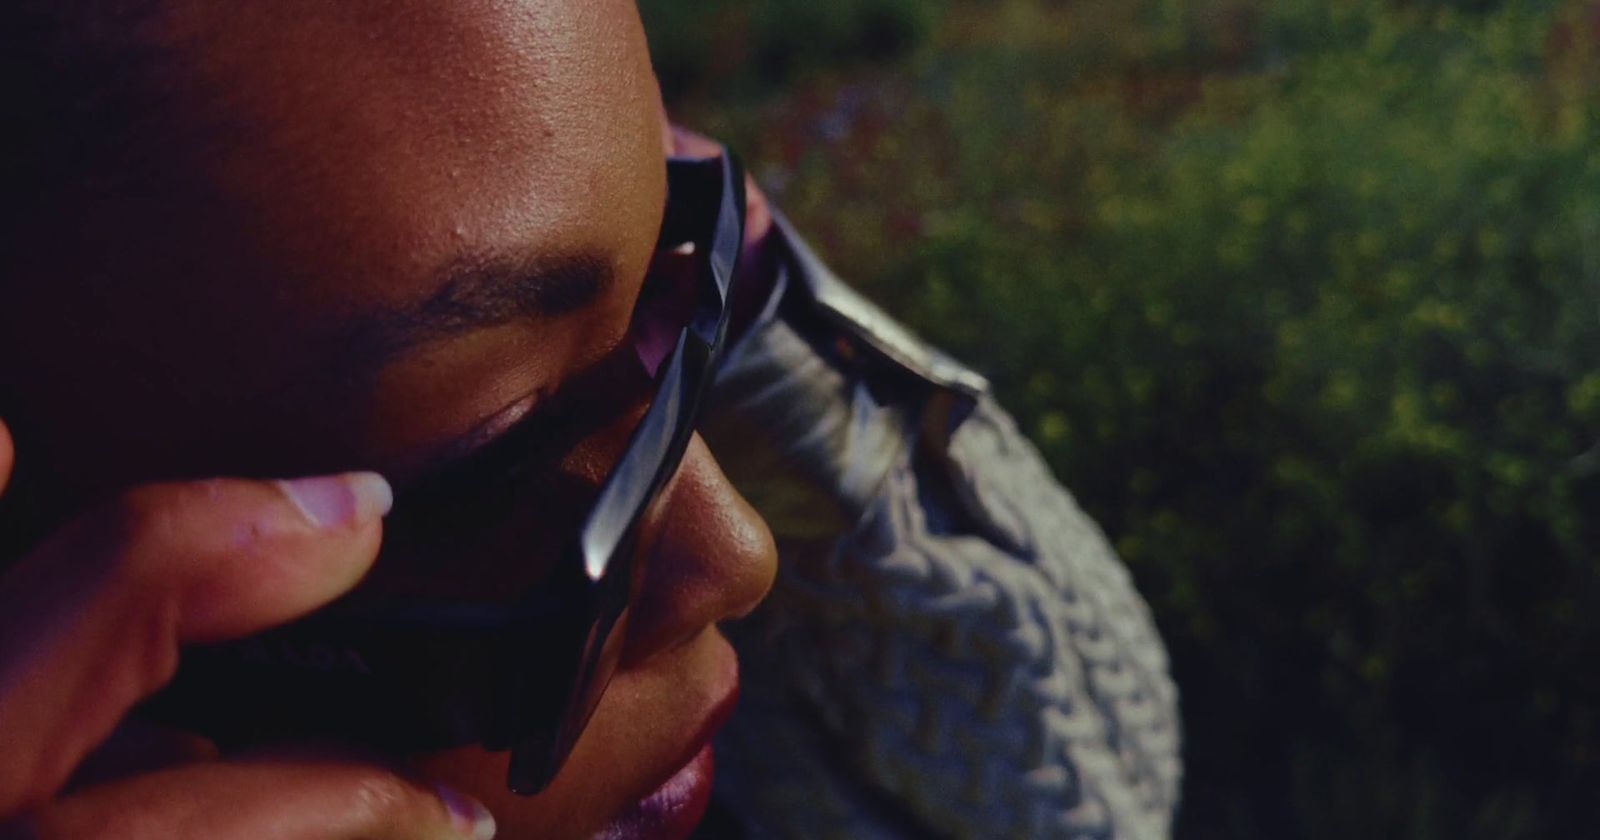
{"x": 394, "y": 135}
{"x": 332, "y": 159}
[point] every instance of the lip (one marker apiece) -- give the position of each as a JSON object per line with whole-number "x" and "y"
{"x": 676, "y": 806}
{"x": 672, "y": 811}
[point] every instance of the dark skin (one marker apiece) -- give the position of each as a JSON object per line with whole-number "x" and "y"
{"x": 406, "y": 227}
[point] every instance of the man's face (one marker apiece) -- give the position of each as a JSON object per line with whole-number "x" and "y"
{"x": 391, "y": 230}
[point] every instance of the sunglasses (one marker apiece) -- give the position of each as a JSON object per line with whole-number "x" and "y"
{"x": 524, "y": 675}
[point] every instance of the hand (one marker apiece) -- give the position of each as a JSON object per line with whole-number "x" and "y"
{"x": 92, "y": 621}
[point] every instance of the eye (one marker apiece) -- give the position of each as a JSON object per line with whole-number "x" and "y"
{"x": 490, "y": 460}
{"x": 489, "y": 491}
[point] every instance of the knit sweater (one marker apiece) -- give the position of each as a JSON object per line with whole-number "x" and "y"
{"x": 952, "y": 648}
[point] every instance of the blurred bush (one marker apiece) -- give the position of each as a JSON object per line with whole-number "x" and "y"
{"x": 734, "y": 44}
{"x": 1302, "y": 298}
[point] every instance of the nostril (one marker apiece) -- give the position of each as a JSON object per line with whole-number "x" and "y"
{"x": 713, "y": 559}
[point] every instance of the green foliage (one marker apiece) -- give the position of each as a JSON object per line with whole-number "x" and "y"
{"x": 723, "y": 45}
{"x": 1302, "y": 298}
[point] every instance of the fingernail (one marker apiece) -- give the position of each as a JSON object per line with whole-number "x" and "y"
{"x": 468, "y": 815}
{"x": 339, "y": 500}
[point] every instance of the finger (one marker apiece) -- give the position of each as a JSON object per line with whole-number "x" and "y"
{"x": 92, "y": 621}
{"x": 757, "y": 214}
{"x": 7, "y": 455}
{"x": 138, "y": 747}
{"x": 686, "y": 143}
{"x": 283, "y": 800}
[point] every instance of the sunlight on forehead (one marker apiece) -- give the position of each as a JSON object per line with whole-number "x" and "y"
{"x": 393, "y": 135}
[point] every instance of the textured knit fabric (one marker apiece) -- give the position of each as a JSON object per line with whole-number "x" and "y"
{"x": 952, "y": 649}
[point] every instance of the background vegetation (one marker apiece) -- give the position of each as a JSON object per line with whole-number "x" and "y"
{"x": 1302, "y": 298}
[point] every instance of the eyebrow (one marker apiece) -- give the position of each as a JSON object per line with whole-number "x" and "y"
{"x": 478, "y": 291}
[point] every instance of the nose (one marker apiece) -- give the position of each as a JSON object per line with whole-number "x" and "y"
{"x": 713, "y": 558}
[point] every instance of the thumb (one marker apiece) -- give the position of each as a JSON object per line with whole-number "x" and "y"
{"x": 92, "y": 621}
{"x": 290, "y": 799}
{"x": 264, "y": 552}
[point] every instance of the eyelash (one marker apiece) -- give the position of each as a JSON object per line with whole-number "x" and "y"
{"x": 509, "y": 451}
{"x": 496, "y": 458}
{"x": 486, "y": 469}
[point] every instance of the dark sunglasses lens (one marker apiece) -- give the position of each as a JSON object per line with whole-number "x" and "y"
{"x": 608, "y": 589}
{"x": 557, "y": 702}
{"x": 608, "y": 576}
